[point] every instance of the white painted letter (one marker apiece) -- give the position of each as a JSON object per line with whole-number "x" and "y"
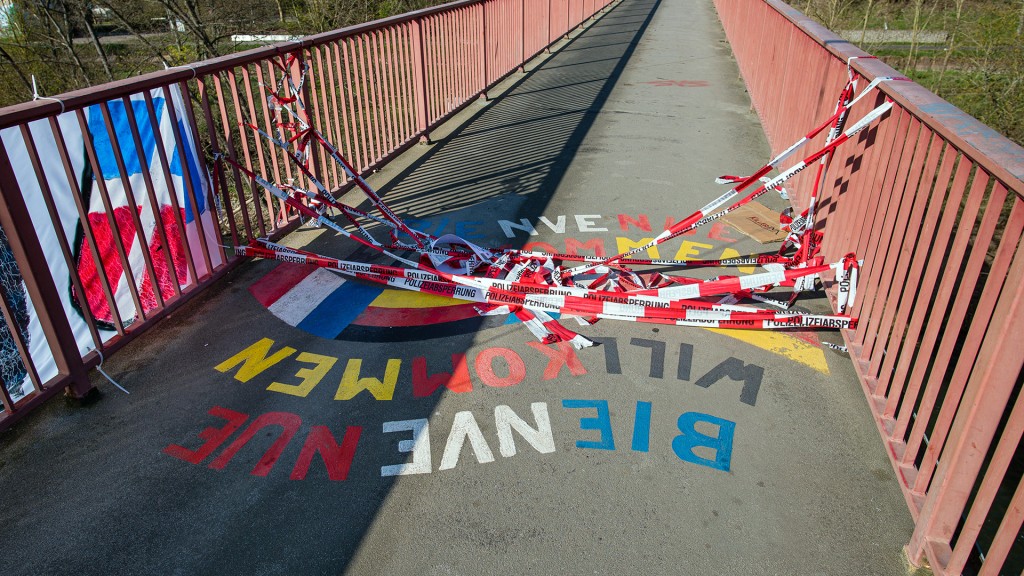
{"x": 525, "y": 226}
{"x": 463, "y": 426}
{"x": 585, "y": 224}
{"x": 557, "y": 228}
{"x": 541, "y": 440}
{"x": 419, "y": 446}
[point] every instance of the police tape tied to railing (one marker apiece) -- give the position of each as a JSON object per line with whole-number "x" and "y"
{"x": 534, "y": 285}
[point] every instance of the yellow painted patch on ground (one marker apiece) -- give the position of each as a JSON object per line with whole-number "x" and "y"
{"x": 783, "y": 344}
{"x": 407, "y": 299}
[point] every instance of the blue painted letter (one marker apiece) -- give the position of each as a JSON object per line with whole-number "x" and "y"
{"x": 602, "y": 423}
{"x": 684, "y": 444}
{"x": 642, "y": 427}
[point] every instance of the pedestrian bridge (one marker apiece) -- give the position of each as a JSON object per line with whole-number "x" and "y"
{"x": 283, "y": 420}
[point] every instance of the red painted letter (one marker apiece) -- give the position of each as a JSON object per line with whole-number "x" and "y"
{"x": 424, "y": 384}
{"x": 643, "y": 223}
{"x": 214, "y": 436}
{"x": 289, "y": 424}
{"x": 485, "y": 367}
{"x": 560, "y": 355}
{"x": 337, "y": 457}
{"x": 572, "y": 246}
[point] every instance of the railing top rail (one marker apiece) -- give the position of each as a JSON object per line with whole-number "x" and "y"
{"x": 994, "y": 152}
{"x": 76, "y": 99}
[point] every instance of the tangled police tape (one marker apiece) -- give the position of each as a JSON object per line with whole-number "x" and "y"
{"x": 535, "y": 285}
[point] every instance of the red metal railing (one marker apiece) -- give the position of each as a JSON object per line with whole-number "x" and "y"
{"x": 374, "y": 89}
{"x": 931, "y": 199}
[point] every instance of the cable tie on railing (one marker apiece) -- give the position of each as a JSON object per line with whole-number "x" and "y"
{"x": 189, "y": 66}
{"x": 36, "y": 96}
{"x": 107, "y": 376}
{"x": 849, "y": 63}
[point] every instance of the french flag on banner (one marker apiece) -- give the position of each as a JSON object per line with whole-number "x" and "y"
{"x": 168, "y": 208}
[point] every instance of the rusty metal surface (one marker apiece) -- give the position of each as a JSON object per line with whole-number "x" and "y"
{"x": 938, "y": 226}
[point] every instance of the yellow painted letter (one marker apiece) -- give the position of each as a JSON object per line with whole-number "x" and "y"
{"x": 255, "y": 360}
{"x": 625, "y": 245}
{"x": 352, "y": 384}
{"x": 310, "y": 376}
{"x": 689, "y": 250}
{"x": 730, "y": 253}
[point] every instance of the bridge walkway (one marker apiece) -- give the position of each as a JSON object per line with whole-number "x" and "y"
{"x": 670, "y": 451}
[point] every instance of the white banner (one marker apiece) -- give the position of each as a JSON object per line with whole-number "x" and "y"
{"x": 169, "y": 261}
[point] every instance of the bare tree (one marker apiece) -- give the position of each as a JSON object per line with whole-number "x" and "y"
{"x": 87, "y": 19}
{"x": 951, "y": 48}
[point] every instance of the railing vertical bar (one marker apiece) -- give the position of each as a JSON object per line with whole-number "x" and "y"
{"x": 268, "y": 198}
{"x": 419, "y": 73}
{"x": 485, "y": 48}
{"x": 331, "y": 92}
{"x": 407, "y": 94}
{"x": 316, "y": 110}
{"x": 267, "y": 127}
{"x": 369, "y": 51}
{"x": 369, "y": 100}
{"x": 279, "y": 117}
{"x": 16, "y": 222}
{"x": 377, "y": 93}
{"x": 62, "y": 239}
{"x": 204, "y": 169}
{"x": 450, "y": 64}
{"x": 365, "y": 137}
{"x": 910, "y": 331}
{"x": 316, "y": 113}
{"x": 922, "y": 322}
{"x": 399, "y": 100}
{"x": 954, "y": 324}
{"x": 229, "y": 145}
{"x": 165, "y": 166}
{"x": 5, "y": 396}
{"x": 243, "y": 143}
{"x": 132, "y": 205}
{"x": 24, "y": 352}
{"x": 434, "y": 57}
{"x": 229, "y": 212}
{"x": 901, "y": 246}
{"x": 346, "y": 130}
{"x": 154, "y": 205}
{"x": 251, "y": 106}
{"x": 998, "y": 368}
{"x": 1006, "y": 535}
{"x": 394, "y": 95}
{"x": 1011, "y": 436}
{"x": 83, "y": 219}
{"x": 874, "y": 217}
{"x": 461, "y": 66}
{"x": 906, "y": 200}
{"x": 115, "y": 236}
{"x": 882, "y": 223}
{"x": 358, "y": 153}
{"x": 191, "y": 192}
{"x": 938, "y": 315}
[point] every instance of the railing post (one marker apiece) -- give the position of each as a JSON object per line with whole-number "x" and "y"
{"x": 419, "y": 67}
{"x": 547, "y": 45}
{"x": 483, "y": 47}
{"x": 981, "y": 409}
{"x": 23, "y": 240}
{"x": 522, "y": 36}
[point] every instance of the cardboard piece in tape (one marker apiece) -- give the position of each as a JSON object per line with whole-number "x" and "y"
{"x": 756, "y": 221}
